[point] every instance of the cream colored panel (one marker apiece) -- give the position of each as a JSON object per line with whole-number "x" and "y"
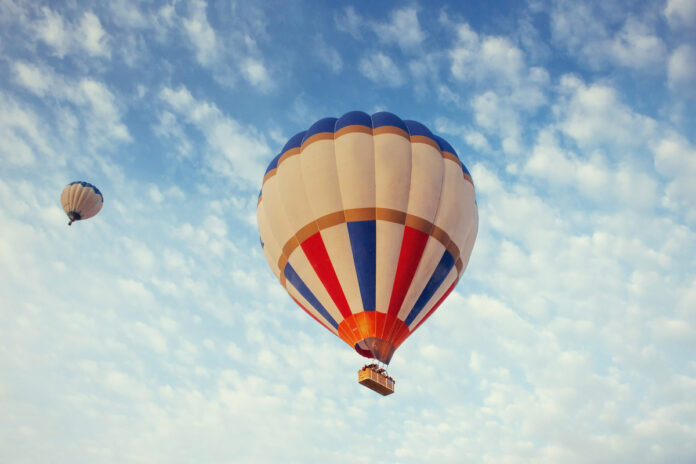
{"x": 392, "y": 171}
{"x": 65, "y": 198}
{"x": 271, "y": 249}
{"x": 426, "y": 181}
{"x": 321, "y": 178}
{"x": 451, "y": 198}
{"x": 469, "y": 242}
{"x": 80, "y": 194}
{"x": 91, "y": 205}
{"x": 355, "y": 164}
{"x": 292, "y": 187}
{"x": 278, "y": 223}
{"x": 468, "y": 215}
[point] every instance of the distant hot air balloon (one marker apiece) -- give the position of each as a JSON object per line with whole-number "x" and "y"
{"x": 81, "y": 200}
{"x": 368, "y": 222}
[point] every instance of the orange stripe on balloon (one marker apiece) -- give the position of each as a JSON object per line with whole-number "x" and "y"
{"x": 365, "y": 321}
{"x": 288, "y": 154}
{"x": 317, "y": 137}
{"x": 426, "y": 140}
{"x": 350, "y": 328}
{"x": 391, "y": 130}
{"x": 345, "y": 334}
{"x": 352, "y": 129}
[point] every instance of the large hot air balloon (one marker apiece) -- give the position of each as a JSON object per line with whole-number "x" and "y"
{"x": 81, "y": 200}
{"x": 368, "y": 222}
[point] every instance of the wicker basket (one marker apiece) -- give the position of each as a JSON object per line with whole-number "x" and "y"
{"x": 375, "y": 381}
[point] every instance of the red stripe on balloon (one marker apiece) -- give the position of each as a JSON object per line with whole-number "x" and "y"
{"x": 318, "y": 257}
{"x": 412, "y": 246}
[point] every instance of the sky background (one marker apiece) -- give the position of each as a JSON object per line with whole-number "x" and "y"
{"x": 155, "y": 332}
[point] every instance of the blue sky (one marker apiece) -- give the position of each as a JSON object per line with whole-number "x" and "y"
{"x": 155, "y": 332}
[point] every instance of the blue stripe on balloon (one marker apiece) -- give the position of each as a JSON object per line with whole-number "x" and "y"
{"x": 443, "y": 268}
{"x": 363, "y": 241}
{"x": 297, "y": 282}
{"x": 87, "y": 184}
{"x": 353, "y": 118}
{"x": 416, "y": 128}
{"x": 466, "y": 170}
{"x": 323, "y": 125}
{"x": 272, "y": 165}
{"x": 444, "y": 145}
{"x": 294, "y": 142}
{"x": 384, "y": 118}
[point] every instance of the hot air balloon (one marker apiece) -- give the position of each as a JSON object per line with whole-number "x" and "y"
{"x": 368, "y": 222}
{"x": 81, "y": 200}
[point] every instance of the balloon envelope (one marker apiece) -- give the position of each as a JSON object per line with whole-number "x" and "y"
{"x": 81, "y": 200}
{"x": 368, "y": 222}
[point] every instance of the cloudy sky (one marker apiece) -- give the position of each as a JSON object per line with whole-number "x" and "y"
{"x": 155, "y": 332}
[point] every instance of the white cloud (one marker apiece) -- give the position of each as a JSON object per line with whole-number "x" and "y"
{"x": 494, "y": 115}
{"x": 238, "y": 152}
{"x": 52, "y": 30}
{"x": 254, "y": 71}
{"x": 446, "y": 95}
{"x": 350, "y": 22}
{"x": 72, "y": 38}
{"x": 102, "y": 116}
{"x": 151, "y": 336}
{"x": 155, "y": 194}
{"x": 472, "y": 137}
{"x": 595, "y": 117}
{"x": 403, "y": 30}
{"x": 675, "y": 159}
{"x": 681, "y": 70}
{"x": 129, "y": 14}
{"x": 497, "y": 64}
{"x": 328, "y": 55}
{"x": 24, "y": 140}
{"x": 380, "y": 69}
{"x": 681, "y": 13}
{"x": 201, "y": 34}
{"x": 506, "y": 88}
{"x": 636, "y": 46}
{"x": 92, "y": 35}
{"x": 32, "y": 77}
{"x": 593, "y": 177}
{"x": 674, "y": 330}
{"x": 588, "y": 32}
{"x": 228, "y": 54}
{"x": 169, "y": 127}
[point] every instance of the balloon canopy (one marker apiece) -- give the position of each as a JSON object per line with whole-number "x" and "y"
{"x": 81, "y": 200}
{"x": 368, "y": 222}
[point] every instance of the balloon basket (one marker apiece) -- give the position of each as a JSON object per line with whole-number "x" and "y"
{"x": 376, "y": 379}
